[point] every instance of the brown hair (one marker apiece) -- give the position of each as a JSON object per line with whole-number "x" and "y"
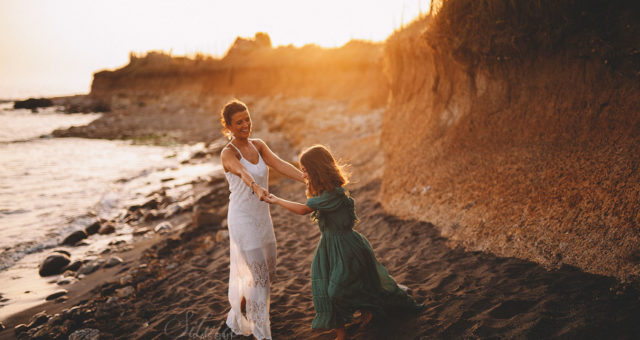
{"x": 234, "y": 106}
{"x": 324, "y": 172}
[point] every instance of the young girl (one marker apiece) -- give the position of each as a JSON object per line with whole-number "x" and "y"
{"x": 345, "y": 275}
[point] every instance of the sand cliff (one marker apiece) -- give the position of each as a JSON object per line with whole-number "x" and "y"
{"x": 530, "y": 155}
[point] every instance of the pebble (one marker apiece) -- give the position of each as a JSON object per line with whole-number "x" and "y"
{"x": 141, "y": 231}
{"x": 91, "y": 267}
{"x": 57, "y": 294}
{"x": 38, "y": 319}
{"x": 107, "y": 229}
{"x": 113, "y": 261}
{"x": 163, "y": 227}
{"x": 124, "y": 292}
{"x": 222, "y": 235}
{"x": 75, "y": 237}
{"x": 85, "y": 334}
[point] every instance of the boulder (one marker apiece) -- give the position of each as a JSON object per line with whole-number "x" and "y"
{"x": 75, "y": 237}
{"x": 53, "y": 264}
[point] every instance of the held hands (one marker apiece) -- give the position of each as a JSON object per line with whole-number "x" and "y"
{"x": 260, "y": 191}
{"x": 271, "y": 199}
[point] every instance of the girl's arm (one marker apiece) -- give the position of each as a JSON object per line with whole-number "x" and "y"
{"x": 278, "y": 163}
{"x": 295, "y": 207}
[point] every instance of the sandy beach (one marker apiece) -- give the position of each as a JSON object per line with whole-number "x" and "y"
{"x": 179, "y": 283}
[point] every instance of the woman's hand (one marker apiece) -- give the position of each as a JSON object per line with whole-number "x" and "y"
{"x": 260, "y": 191}
{"x": 271, "y": 199}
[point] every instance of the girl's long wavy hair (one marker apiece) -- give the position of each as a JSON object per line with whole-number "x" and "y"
{"x": 324, "y": 172}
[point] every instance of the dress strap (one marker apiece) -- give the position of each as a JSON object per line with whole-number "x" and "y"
{"x": 240, "y": 152}
{"x": 254, "y": 147}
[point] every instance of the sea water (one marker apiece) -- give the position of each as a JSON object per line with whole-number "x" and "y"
{"x": 50, "y": 187}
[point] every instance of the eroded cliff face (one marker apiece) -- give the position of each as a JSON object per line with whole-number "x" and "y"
{"x": 352, "y": 73}
{"x": 536, "y": 159}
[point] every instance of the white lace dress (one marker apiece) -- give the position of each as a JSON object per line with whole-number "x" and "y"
{"x": 252, "y": 253}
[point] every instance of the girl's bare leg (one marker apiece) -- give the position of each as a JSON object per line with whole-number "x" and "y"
{"x": 366, "y": 318}
{"x": 341, "y": 334}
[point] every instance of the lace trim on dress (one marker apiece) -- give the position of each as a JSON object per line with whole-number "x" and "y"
{"x": 263, "y": 272}
{"x": 258, "y": 313}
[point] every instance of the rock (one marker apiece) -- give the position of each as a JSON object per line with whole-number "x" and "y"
{"x": 32, "y": 103}
{"x": 54, "y": 264}
{"x": 127, "y": 278}
{"x": 64, "y": 281}
{"x": 62, "y": 251}
{"x": 92, "y": 228}
{"x": 150, "y": 204}
{"x": 56, "y": 319}
{"x": 38, "y": 319}
{"x": 57, "y": 294}
{"x": 91, "y": 267}
{"x": 113, "y": 261}
{"x": 141, "y": 231}
{"x": 74, "y": 237}
{"x": 74, "y": 266}
{"x": 124, "y": 292}
{"x": 62, "y": 298}
{"x": 116, "y": 242}
{"x": 19, "y": 329}
{"x": 69, "y": 273}
{"x": 107, "y": 228}
{"x": 206, "y": 218}
{"x": 2, "y": 326}
{"x": 151, "y": 215}
{"x": 222, "y": 235}
{"x": 85, "y": 334}
{"x": 163, "y": 227}
{"x": 171, "y": 210}
{"x": 199, "y": 154}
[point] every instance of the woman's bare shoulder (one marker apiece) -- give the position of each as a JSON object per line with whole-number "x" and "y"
{"x": 228, "y": 151}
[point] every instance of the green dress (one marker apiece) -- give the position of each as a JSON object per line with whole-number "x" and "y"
{"x": 345, "y": 275}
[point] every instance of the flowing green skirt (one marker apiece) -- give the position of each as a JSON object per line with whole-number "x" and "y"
{"x": 345, "y": 277}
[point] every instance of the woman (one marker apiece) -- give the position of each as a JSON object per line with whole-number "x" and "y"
{"x": 252, "y": 240}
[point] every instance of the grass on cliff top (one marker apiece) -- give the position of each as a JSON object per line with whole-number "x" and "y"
{"x": 486, "y": 31}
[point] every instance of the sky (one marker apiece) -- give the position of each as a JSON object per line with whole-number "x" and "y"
{"x": 53, "y": 47}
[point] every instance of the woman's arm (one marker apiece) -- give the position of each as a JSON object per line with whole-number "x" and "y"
{"x": 295, "y": 207}
{"x": 233, "y": 165}
{"x": 278, "y": 163}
